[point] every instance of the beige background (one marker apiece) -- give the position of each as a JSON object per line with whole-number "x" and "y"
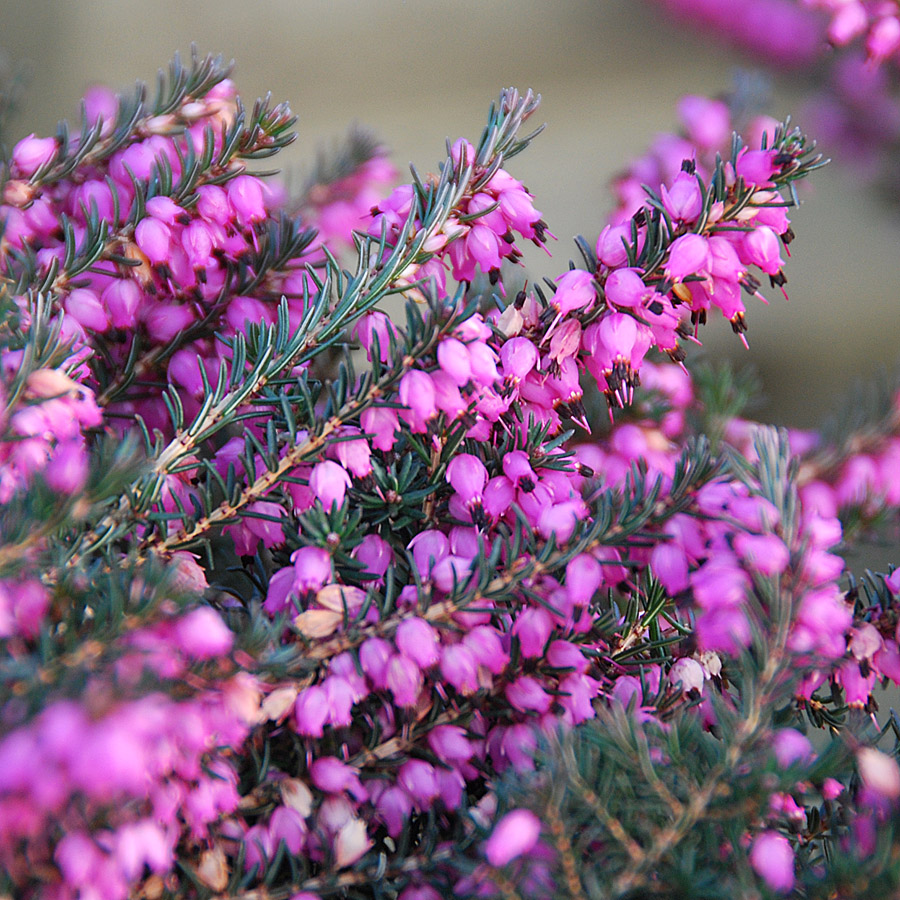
{"x": 610, "y": 72}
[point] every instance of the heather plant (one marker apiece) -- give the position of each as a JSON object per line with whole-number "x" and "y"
{"x": 299, "y": 599}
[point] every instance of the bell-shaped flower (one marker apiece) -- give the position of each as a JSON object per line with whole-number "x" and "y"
{"x": 329, "y": 482}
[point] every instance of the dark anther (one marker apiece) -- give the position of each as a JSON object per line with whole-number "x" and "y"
{"x": 779, "y": 279}
{"x": 494, "y": 276}
{"x": 749, "y": 283}
{"x": 519, "y": 302}
{"x": 689, "y": 166}
{"x": 526, "y": 484}
{"x": 509, "y": 237}
{"x": 655, "y": 307}
{"x": 585, "y": 471}
{"x": 788, "y": 236}
{"x": 640, "y": 218}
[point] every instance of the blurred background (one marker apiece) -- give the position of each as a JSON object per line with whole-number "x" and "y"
{"x": 610, "y": 72}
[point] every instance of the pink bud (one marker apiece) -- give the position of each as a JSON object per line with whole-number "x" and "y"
{"x": 311, "y": 711}
{"x": 329, "y": 482}
{"x": 459, "y": 668}
{"x": 84, "y": 306}
{"x": 574, "y": 290}
{"x": 668, "y": 562}
{"x": 791, "y": 746}
{"x": 611, "y": 245}
{"x": 202, "y": 634}
{"x": 772, "y": 858}
{"x": 450, "y": 744}
{"x": 67, "y": 470}
{"x": 417, "y": 778}
{"x": 515, "y": 834}
{"x": 153, "y": 237}
{"x": 688, "y": 255}
{"x": 416, "y": 639}
{"x": 533, "y": 627}
{"x": 246, "y": 196}
{"x": 312, "y": 568}
{"x": 518, "y": 356}
{"x": 404, "y": 680}
{"x": 31, "y": 153}
{"x": 374, "y": 656}
{"x": 382, "y": 422}
{"x": 418, "y": 394}
{"x": 527, "y": 695}
{"x": 122, "y": 298}
{"x": 453, "y": 358}
{"x": 468, "y": 476}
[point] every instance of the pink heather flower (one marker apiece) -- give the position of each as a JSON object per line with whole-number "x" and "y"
{"x": 707, "y": 122}
{"x": 84, "y": 307}
{"x": 353, "y": 454}
{"x": 518, "y": 356}
{"x": 574, "y": 290}
{"x": 312, "y": 568}
{"x": 311, "y": 711}
{"x": 756, "y": 167}
{"x": 611, "y": 245}
{"x": 460, "y": 668}
{"x": 669, "y": 564}
{"x": 154, "y": 238}
{"x": 383, "y": 423}
{"x": 418, "y": 779}
{"x": 683, "y": 199}
{"x": 514, "y": 835}
{"x": 625, "y": 288}
{"x": 416, "y": 639}
{"x": 533, "y": 627}
{"x": 329, "y": 482}
{"x": 418, "y": 395}
{"x": 202, "y": 634}
{"x": 245, "y": 194}
{"x": 428, "y": 548}
{"x": 164, "y": 321}
{"x": 67, "y": 470}
{"x": 688, "y": 255}
{"x": 374, "y": 656}
{"x": 394, "y": 807}
{"x": 486, "y": 647}
{"x": 762, "y": 248}
{"x": 404, "y": 680}
{"x": 331, "y": 775}
{"x": 765, "y": 553}
{"x": 583, "y": 578}
{"x": 286, "y": 824}
{"x": 526, "y": 695}
{"x": 791, "y": 746}
{"x": 31, "y": 153}
{"x": 450, "y": 744}
{"x": 772, "y": 858}
{"x": 280, "y": 591}
{"x": 375, "y": 553}
{"x": 468, "y": 476}
{"x": 453, "y": 358}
